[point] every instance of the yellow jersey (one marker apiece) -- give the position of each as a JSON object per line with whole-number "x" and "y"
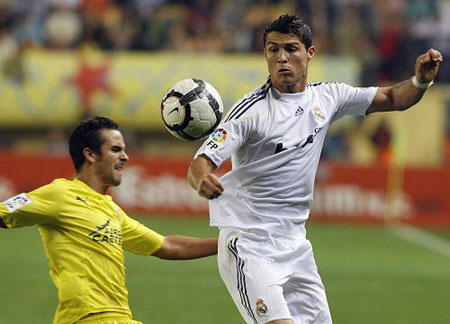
{"x": 84, "y": 235}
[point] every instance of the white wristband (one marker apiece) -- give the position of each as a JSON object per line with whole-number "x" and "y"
{"x": 419, "y": 85}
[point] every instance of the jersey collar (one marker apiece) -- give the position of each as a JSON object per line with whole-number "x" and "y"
{"x": 289, "y": 96}
{"x": 92, "y": 192}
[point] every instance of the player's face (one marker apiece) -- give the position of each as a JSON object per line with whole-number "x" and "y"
{"x": 287, "y": 61}
{"x": 111, "y": 162}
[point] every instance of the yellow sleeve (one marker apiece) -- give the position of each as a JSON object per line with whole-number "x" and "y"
{"x": 139, "y": 239}
{"x": 40, "y": 206}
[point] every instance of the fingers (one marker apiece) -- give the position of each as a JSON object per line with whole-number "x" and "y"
{"x": 213, "y": 196}
{"x": 435, "y": 55}
{"x": 210, "y": 187}
{"x": 427, "y": 65}
{"x": 431, "y": 57}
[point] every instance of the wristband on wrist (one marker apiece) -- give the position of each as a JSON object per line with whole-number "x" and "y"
{"x": 419, "y": 85}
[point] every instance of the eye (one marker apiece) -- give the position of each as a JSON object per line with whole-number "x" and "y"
{"x": 116, "y": 149}
{"x": 291, "y": 48}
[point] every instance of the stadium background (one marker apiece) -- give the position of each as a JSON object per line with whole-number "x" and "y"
{"x": 381, "y": 217}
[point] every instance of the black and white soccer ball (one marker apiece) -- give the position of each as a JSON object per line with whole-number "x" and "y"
{"x": 191, "y": 109}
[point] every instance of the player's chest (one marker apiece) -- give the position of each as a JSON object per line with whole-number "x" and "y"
{"x": 93, "y": 220}
{"x": 293, "y": 124}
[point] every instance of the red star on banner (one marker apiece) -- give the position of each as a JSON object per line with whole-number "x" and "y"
{"x": 88, "y": 81}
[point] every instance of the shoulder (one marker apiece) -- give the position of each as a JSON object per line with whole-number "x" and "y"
{"x": 54, "y": 189}
{"x": 250, "y": 104}
{"x": 61, "y": 183}
{"x": 327, "y": 87}
{"x": 335, "y": 88}
{"x": 334, "y": 91}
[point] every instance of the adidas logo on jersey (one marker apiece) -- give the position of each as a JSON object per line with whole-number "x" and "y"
{"x": 299, "y": 111}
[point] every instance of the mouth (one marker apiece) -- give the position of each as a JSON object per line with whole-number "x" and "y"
{"x": 284, "y": 70}
{"x": 119, "y": 168}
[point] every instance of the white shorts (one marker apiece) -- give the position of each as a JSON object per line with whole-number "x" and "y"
{"x": 272, "y": 278}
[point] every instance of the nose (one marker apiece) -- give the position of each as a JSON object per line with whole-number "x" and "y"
{"x": 282, "y": 56}
{"x": 124, "y": 157}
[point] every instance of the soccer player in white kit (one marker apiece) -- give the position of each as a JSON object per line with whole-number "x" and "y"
{"x": 274, "y": 136}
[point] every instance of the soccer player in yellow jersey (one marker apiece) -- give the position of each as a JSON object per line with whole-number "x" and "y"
{"x": 85, "y": 232}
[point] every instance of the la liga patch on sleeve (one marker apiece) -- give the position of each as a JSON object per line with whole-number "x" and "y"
{"x": 17, "y": 202}
{"x": 220, "y": 135}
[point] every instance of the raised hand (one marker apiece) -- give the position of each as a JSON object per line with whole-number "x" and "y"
{"x": 427, "y": 65}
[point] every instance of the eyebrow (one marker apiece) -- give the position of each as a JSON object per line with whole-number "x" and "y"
{"x": 283, "y": 43}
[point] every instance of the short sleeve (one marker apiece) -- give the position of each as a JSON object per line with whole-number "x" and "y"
{"x": 37, "y": 207}
{"x": 352, "y": 100}
{"x": 138, "y": 238}
{"x": 225, "y": 140}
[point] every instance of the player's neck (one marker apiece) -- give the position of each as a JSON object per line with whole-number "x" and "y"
{"x": 93, "y": 181}
{"x": 290, "y": 88}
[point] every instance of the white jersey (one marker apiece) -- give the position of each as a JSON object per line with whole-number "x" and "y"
{"x": 275, "y": 141}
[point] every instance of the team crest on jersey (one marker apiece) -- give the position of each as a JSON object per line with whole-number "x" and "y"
{"x": 220, "y": 135}
{"x": 17, "y": 202}
{"x": 261, "y": 308}
{"x": 319, "y": 115}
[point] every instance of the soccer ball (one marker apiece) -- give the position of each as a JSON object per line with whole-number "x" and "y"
{"x": 191, "y": 109}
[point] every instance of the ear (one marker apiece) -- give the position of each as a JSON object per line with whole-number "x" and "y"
{"x": 311, "y": 52}
{"x": 90, "y": 155}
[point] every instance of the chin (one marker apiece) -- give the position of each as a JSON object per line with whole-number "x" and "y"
{"x": 286, "y": 82}
{"x": 115, "y": 182}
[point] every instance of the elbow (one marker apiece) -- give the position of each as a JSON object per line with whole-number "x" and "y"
{"x": 172, "y": 249}
{"x": 166, "y": 254}
{"x": 186, "y": 248}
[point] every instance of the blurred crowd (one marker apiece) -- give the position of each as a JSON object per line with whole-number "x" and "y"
{"x": 385, "y": 35}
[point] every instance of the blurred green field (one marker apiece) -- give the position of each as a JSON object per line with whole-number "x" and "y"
{"x": 371, "y": 275}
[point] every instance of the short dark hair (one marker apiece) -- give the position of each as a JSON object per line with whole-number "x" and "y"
{"x": 290, "y": 24}
{"x": 87, "y": 134}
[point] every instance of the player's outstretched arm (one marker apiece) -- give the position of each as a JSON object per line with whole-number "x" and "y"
{"x": 202, "y": 179}
{"x": 185, "y": 247}
{"x": 405, "y": 94}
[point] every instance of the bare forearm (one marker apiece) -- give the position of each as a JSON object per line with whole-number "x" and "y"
{"x": 198, "y": 169}
{"x": 202, "y": 178}
{"x": 184, "y": 248}
{"x": 401, "y": 96}
{"x": 407, "y": 93}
